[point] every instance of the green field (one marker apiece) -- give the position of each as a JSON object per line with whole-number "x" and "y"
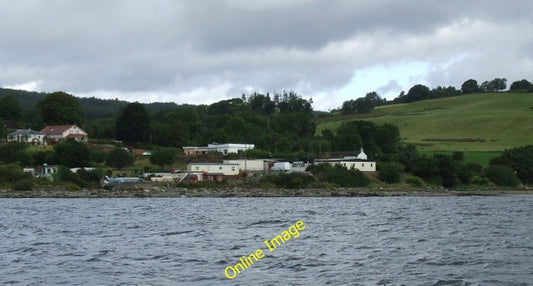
{"x": 477, "y": 122}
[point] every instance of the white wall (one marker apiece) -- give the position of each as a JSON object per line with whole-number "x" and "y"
{"x": 226, "y": 169}
{"x": 256, "y": 165}
{"x": 364, "y": 166}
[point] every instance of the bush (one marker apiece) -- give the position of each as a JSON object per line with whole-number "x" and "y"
{"x": 256, "y": 153}
{"x": 390, "y": 173}
{"x": 10, "y": 173}
{"x": 339, "y": 175}
{"x": 15, "y": 152}
{"x": 90, "y": 178}
{"x": 71, "y": 187}
{"x": 519, "y": 160}
{"x": 119, "y": 158}
{"x": 414, "y": 181}
{"x": 162, "y": 157}
{"x": 480, "y": 181}
{"x": 290, "y": 180}
{"x": 23, "y": 185}
{"x": 502, "y": 175}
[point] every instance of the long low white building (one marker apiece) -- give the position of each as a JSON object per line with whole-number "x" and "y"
{"x": 254, "y": 165}
{"x": 350, "y": 163}
{"x": 222, "y": 148}
{"x": 227, "y": 169}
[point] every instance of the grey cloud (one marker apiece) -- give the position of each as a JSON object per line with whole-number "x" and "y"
{"x": 184, "y": 47}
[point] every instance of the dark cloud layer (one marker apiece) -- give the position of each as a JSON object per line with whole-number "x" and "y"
{"x": 204, "y": 51}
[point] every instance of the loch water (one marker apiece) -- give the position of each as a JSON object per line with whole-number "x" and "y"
{"x": 466, "y": 240}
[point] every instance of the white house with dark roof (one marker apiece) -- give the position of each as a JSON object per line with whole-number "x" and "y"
{"x": 26, "y": 136}
{"x": 54, "y": 133}
{"x": 359, "y": 162}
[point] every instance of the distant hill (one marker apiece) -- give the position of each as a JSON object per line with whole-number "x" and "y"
{"x": 94, "y": 107}
{"x": 476, "y": 122}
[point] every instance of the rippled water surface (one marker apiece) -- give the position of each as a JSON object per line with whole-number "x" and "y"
{"x": 190, "y": 241}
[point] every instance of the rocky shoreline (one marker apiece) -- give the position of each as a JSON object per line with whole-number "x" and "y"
{"x": 144, "y": 191}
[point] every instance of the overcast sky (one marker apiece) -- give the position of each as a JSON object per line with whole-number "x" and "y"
{"x": 200, "y": 52}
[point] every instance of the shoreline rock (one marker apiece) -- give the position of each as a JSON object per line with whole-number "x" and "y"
{"x": 143, "y": 191}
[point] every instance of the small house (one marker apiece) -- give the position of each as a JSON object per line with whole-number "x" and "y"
{"x": 26, "y": 136}
{"x": 55, "y": 133}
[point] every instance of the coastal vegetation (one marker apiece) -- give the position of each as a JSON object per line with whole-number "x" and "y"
{"x": 474, "y": 136}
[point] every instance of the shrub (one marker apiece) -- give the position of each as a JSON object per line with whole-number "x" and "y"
{"x": 256, "y": 153}
{"x": 502, "y": 175}
{"x": 480, "y": 181}
{"x": 413, "y": 181}
{"x": 519, "y": 160}
{"x": 71, "y": 187}
{"x": 23, "y": 185}
{"x": 119, "y": 158}
{"x": 290, "y": 180}
{"x": 339, "y": 175}
{"x": 10, "y": 173}
{"x": 162, "y": 157}
{"x": 390, "y": 173}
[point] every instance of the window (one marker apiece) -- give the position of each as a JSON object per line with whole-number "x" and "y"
{"x": 220, "y": 167}
{"x": 197, "y": 168}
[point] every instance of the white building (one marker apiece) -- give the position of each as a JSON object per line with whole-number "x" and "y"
{"x": 227, "y": 169}
{"x": 351, "y": 162}
{"x": 362, "y": 155}
{"x": 26, "y": 136}
{"x": 255, "y": 165}
{"x": 54, "y": 133}
{"x": 222, "y": 148}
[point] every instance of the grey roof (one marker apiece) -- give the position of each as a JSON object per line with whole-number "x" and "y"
{"x": 26, "y": 132}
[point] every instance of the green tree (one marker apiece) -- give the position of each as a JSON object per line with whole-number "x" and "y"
{"x": 360, "y": 105}
{"x": 494, "y": 85}
{"x": 441, "y": 92}
{"x": 72, "y": 153}
{"x": 283, "y": 145}
{"x": 470, "y": 86}
{"x": 502, "y": 175}
{"x": 60, "y": 108}
{"x": 3, "y": 129}
{"x": 262, "y": 103}
{"x": 119, "y": 158}
{"x": 10, "y": 173}
{"x": 162, "y": 157}
{"x": 426, "y": 168}
{"x": 132, "y": 123}
{"x": 520, "y": 160}
{"x": 418, "y": 92}
{"x": 13, "y": 152}
{"x": 521, "y": 86}
{"x": 9, "y": 108}
{"x": 390, "y": 172}
{"x": 45, "y": 157}
{"x": 347, "y": 137}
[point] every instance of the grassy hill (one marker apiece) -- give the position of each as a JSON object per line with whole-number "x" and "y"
{"x": 477, "y": 122}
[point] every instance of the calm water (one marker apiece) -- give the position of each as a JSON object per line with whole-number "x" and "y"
{"x": 190, "y": 241}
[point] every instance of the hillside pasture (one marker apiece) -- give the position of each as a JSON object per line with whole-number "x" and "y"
{"x": 477, "y": 122}
{"x": 482, "y": 158}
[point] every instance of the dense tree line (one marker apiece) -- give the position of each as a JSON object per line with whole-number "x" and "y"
{"x": 421, "y": 92}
